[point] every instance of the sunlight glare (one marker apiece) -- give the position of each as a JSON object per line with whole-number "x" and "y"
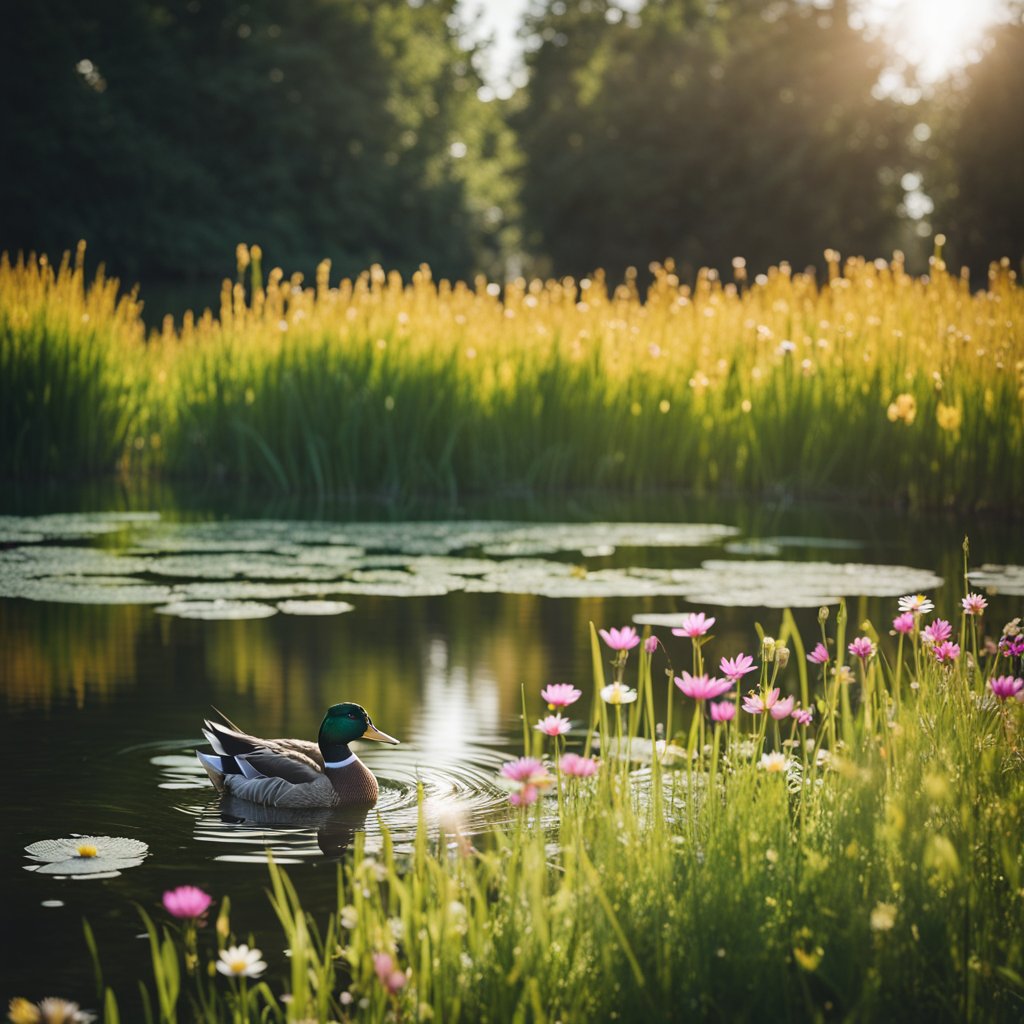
{"x": 937, "y": 36}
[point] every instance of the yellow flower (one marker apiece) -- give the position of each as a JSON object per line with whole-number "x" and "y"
{"x": 902, "y": 408}
{"x": 883, "y": 917}
{"x": 949, "y": 417}
{"x": 21, "y": 1011}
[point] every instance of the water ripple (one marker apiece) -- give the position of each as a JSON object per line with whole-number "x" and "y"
{"x": 459, "y": 794}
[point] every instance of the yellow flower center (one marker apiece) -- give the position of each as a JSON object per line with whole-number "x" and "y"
{"x": 87, "y": 850}
{"x": 238, "y": 965}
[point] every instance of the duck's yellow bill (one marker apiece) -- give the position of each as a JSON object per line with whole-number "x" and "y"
{"x": 373, "y": 733}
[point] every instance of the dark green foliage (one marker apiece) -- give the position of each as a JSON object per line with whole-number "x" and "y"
{"x": 704, "y": 133}
{"x": 165, "y": 133}
{"x": 976, "y": 157}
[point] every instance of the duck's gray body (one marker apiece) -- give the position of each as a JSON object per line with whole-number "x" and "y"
{"x": 286, "y": 772}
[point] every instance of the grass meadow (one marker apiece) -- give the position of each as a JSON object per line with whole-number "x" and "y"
{"x": 872, "y": 383}
{"x": 848, "y": 852}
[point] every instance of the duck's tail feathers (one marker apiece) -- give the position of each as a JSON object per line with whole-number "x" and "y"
{"x": 247, "y": 769}
{"x": 217, "y": 766}
{"x": 227, "y": 740}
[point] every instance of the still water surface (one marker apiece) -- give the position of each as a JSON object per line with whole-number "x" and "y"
{"x": 437, "y": 627}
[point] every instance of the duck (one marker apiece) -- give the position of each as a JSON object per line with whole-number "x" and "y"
{"x": 295, "y": 773}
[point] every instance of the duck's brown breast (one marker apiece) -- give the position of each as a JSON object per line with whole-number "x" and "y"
{"x": 354, "y": 784}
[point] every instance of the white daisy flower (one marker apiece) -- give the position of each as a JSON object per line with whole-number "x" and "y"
{"x": 618, "y": 694}
{"x": 241, "y": 962}
{"x": 916, "y": 603}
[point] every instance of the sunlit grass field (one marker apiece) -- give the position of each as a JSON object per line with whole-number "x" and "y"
{"x": 871, "y": 383}
{"x": 853, "y": 854}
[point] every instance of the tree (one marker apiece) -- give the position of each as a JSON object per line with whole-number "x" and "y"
{"x": 705, "y": 132}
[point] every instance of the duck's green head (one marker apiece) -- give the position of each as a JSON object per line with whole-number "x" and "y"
{"x": 344, "y": 723}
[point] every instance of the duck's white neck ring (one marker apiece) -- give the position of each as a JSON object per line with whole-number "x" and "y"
{"x": 340, "y": 764}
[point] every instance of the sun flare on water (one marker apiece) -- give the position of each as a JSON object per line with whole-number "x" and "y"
{"x": 937, "y": 36}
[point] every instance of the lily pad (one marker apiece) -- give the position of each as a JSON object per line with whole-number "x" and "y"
{"x": 315, "y": 607}
{"x": 218, "y": 610}
{"x": 999, "y": 579}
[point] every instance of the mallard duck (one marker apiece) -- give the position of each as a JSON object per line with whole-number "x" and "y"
{"x": 295, "y": 773}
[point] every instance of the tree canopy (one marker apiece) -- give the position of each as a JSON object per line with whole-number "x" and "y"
{"x": 166, "y": 131}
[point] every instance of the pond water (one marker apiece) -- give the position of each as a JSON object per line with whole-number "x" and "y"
{"x": 120, "y": 628}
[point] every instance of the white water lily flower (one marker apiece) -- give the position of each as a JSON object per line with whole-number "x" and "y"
{"x": 86, "y": 855}
{"x": 618, "y": 694}
{"x": 241, "y": 962}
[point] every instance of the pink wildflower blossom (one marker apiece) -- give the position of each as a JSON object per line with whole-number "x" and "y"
{"x": 936, "y": 632}
{"x": 803, "y": 716}
{"x": 755, "y": 704}
{"x": 782, "y": 709}
{"x": 702, "y": 687}
{"x": 524, "y": 796}
{"x": 581, "y": 767}
{"x": 862, "y": 647}
{"x": 722, "y": 711}
{"x": 694, "y": 625}
{"x": 651, "y": 644}
{"x": 560, "y": 695}
{"x": 819, "y": 656}
{"x": 1012, "y": 646}
{"x": 735, "y": 668}
{"x": 187, "y": 901}
{"x": 624, "y": 639}
{"x": 553, "y": 725}
{"x": 904, "y": 623}
{"x": 523, "y": 769}
{"x": 974, "y": 604}
{"x": 1005, "y": 687}
{"x": 946, "y": 652}
{"x": 387, "y": 971}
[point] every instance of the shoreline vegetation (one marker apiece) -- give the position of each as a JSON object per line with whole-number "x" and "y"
{"x": 871, "y": 383}
{"x": 832, "y": 832}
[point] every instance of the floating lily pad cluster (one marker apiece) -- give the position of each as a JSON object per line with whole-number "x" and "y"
{"x": 257, "y": 568}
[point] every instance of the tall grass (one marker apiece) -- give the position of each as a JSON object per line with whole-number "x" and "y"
{"x": 874, "y": 382}
{"x": 878, "y": 874}
{"x": 72, "y": 379}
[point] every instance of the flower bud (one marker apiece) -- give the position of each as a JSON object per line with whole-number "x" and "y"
{"x": 823, "y": 614}
{"x": 782, "y": 655}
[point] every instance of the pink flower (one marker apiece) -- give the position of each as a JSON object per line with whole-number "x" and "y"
{"x": 651, "y": 644}
{"x": 581, "y": 767}
{"x": 1012, "y": 646}
{"x": 755, "y": 704}
{"x": 862, "y": 647}
{"x": 624, "y": 639}
{"x": 974, "y": 604}
{"x": 735, "y": 668}
{"x": 694, "y": 625}
{"x": 722, "y": 711}
{"x": 187, "y": 901}
{"x": 782, "y": 709}
{"x": 1005, "y": 687}
{"x": 702, "y": 687}
{"x": 524, "y": 769}
{"x": 946, "y": 651}
{"x": 390, "y": 976}
{"x": 553, "y": 725}
{"x": 524, "y": 796}
{"x": 819, "y": 656}
{"x": 560, "y": 695}
{"x": 904, "y": 623}
{"x": 938, "y": 631}
{"x": 803, "y": 716}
